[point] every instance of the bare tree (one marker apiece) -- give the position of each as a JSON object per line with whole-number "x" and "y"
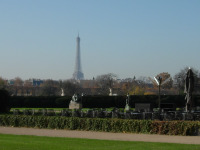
{"x": 71, "y": 87}
{"x": 18, "y": 86}
{"x": 28, "y": 87}
{"x": 165, "y": 76}
{"x": 106, "y": 82}
{"x": 50, "y": 88}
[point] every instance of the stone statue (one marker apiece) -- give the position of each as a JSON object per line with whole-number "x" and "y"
{"x": 189, "y": 88}
{"x": 110, "y": 94}
{"x": 62, "y": 92}
{"x": 75, "y": 98}
{"x": 127, "y": 107}
{"x": 127, "y": 99}
{"x": 75, "y": 103}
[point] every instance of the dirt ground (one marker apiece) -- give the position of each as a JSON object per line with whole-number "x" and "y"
{"x": 101, "y": 135}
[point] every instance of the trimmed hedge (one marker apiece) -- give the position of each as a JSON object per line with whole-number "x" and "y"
{"x": 40, "y": 102}
{"x": 4, "y": 101}
{"x": 106, "y": 124}
{"x": 97, "y": 101}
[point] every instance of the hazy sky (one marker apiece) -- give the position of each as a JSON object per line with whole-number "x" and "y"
{"x": 125, "y": 37}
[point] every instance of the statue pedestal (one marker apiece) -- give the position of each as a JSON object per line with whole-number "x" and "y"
{"x": 75, "y": 105}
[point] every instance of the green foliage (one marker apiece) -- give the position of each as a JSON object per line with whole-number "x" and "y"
{"x": 97, "y": 101}
{"x": 63, "y": 101}
{"x": 103, "y": 124}
{"x": 4, "y": 101}
{"x": 176, "y": 127}
{"x": 40, "y": 102}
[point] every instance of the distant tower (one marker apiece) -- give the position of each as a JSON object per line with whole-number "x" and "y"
{"x": 78, "y": 75}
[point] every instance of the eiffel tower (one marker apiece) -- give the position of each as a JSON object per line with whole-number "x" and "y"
{"x": 78, "y": 74}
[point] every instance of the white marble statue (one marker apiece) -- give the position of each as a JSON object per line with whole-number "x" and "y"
{"x": 110, "y": 94}
{"x": 62, "y": 92}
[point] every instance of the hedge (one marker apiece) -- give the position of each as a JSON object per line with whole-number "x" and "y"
{"x": 97, "y": 101}
{"x": 105, "y": 124}
{"x": 40, "y": 102}
{"x": 4, "y": 101}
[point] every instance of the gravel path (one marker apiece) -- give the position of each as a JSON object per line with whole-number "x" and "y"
{"x": 101, "y": 135}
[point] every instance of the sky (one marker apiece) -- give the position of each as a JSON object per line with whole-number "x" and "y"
{"x": 125, "y": 37}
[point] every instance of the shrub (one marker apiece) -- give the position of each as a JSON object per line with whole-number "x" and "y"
{"x": 4, "y": 101}
{"x": 63, "y": 101}
{"x": 39, "y": 102}
{"x": 103, "y": 124}
{"x": 98, "y": 101}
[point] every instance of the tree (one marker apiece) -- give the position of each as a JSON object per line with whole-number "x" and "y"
{"x": 4, "y": 101}
{"x": 165, "y": 76}
{"x": 18, "y": 86}
{"x": 18, "y": 81}
{"x": 106, "y": 82}
{"x": 71, "y": 87}
{"x": 28, "y": 87}
{"x": 2, "y": 83}
{"x": 50, "y": 88}
{"x": 143, "y": 80}
{"x": 179, "y": 79}
{"x": 127, "y": 85}
{"x": 137, "y": 91}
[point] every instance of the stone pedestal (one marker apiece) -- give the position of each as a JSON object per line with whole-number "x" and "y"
{"x": 75, "y": 105}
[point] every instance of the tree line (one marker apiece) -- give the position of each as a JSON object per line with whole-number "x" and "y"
{"x": 106, "y": 84}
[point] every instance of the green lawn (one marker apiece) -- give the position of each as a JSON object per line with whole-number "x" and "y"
{"x": 21, "y": 142}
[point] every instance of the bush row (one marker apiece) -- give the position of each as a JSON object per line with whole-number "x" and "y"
{"x": 103, "y": 124}
{"x": 4, "y": 101}
{"x": 39, "y": 102}
{"x": 97, "y": 101}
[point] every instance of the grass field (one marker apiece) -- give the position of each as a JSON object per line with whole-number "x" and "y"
{"x": 21, "y": 142}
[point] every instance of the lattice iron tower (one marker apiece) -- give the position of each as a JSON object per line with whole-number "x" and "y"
{"x": 78, "y": 74}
